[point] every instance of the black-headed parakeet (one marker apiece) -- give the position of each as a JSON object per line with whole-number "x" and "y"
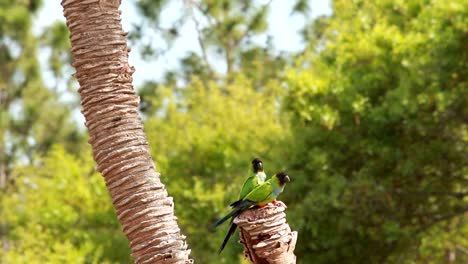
{"x": 261, "y": 195}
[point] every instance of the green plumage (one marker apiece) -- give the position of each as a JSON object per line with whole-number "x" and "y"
{"x": 256, "y": 177}
{"x": 261, "y": 195}
{"x": 265, "y": 193}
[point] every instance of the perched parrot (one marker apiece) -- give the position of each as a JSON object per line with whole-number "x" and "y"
{"x": 262, "y": 195}
{"x": 257, "y": 177}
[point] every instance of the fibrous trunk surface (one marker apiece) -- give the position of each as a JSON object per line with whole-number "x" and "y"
{"x": 266, "y": 236}
{"x": 120, "y": 148}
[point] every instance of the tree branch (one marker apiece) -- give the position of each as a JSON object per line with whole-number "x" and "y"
{"x": 200, "y": 39}
{"x": 458, "y": 195}
{"x": 442, "y": 218}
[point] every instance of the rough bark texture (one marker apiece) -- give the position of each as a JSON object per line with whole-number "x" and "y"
{"x": 266, "y": 236}
{"x": 120, "y": 148}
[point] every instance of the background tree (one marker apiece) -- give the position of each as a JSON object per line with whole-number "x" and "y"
{"x": 216, "y": 125}
{"x": 59, "y": 211}
{"x": 221, "y": 115}
{"x": 38, "y": 223}
{"x": 231, "y": 38}
{"x": 32, "y": 118}
{"x": 379, "y": 125}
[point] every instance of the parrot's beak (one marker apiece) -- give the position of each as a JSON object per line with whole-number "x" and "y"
{"x": 259, "y": 166}
{"x": 287, "y": 179}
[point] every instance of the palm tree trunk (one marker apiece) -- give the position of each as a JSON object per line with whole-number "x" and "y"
{"x": 120, "y": 148}
{"x": 266, "y": 236}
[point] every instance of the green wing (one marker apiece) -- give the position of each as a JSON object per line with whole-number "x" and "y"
{"x": 248, "y": 186}
{"x": 261, "y": 193}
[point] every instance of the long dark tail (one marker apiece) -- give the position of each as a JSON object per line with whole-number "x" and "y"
{"x": 228, "y": 236}
{"x": 239, "y": 208}
{"x": 236, "y": 203}
{"x": 223, "y": 219}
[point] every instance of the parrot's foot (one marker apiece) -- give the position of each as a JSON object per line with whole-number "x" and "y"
{"x": 279, "y": 203}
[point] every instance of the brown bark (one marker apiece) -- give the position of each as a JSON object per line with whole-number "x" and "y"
{"x": 266, "y": 236}
{"x": 120, "y": 148}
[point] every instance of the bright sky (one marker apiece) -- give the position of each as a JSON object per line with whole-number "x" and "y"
{"x": 282, "y": 26}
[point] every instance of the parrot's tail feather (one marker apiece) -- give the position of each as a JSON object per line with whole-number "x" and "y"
{"x": 236, "y": 203}
{"x": 224, "y": 218}
{"x": 228, "y": 235}
{"x": 243, "y": 205}
{"x": 240, "y": 207}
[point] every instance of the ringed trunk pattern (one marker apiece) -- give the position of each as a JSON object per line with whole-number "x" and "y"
{"x": 266, "y": 236}
{"x": 120, "y": 148}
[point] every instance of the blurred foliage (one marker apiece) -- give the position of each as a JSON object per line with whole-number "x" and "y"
{"x": 230, "y": 35}
{"x": 59, "y": 211}
{"x": 222, "y": 130}
{"x": 369, "y": 120}
{"x": 54, "y": 40}
{"x": 32, "y": 118}
{"x": 379, "y": 120}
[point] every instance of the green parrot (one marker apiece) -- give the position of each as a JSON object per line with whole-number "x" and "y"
{"x": 257, "y": 177}
{"x": 260, "y": 196}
